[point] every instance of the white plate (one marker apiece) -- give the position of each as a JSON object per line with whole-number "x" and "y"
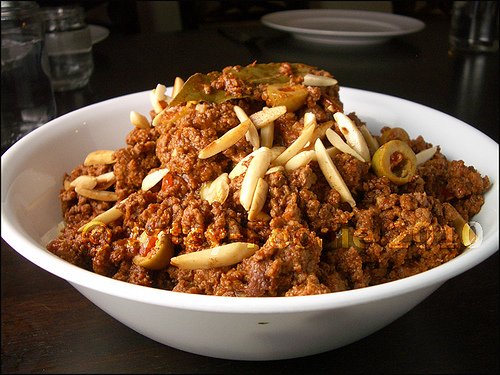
{"x": 98, "y": 33}
{"x": 342, "y": 27}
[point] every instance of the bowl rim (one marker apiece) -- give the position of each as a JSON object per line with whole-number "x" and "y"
{"x": 34, "y": 252}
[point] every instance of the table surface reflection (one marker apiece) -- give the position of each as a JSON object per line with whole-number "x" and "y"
{"x": 47, "y": 326}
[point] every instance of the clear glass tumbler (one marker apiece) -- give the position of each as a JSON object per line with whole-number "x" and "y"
{"x": 27, "y": 96}
{"x": 474, "y": 26}
{"x": 69, "y": 47}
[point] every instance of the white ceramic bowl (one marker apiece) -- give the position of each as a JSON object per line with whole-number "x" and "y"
{"x": 225, "y": 327}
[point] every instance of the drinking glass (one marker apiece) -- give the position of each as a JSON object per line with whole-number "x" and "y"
{"x": 474, "y": 26}
{"x": 27, "y": 96}
{"x": 69, "y": 47}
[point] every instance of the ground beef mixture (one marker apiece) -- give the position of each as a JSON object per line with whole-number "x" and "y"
{"x": 310, "y": 240}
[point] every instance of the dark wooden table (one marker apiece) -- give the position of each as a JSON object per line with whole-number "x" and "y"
{"x": 48, "y": 327}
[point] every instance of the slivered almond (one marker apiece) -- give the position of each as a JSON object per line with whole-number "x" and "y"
{"x": 266, "y": 116}
{"x": 309, "y": 118}
{"x": 276, "y": 168}
{"x": 106, "y": 217}
{"x": 252, "y": 136}
{"x": 160, "y": 92}
{"x": 259, "y": 198}
{"x": 220, "y": 256}
{"x": 153, "y": 178}
{"x": 267, "y": 135}
{"x": 352, "y": 135}
{"x": 240, "y": 168}
{"x": 174, "y": 114}
{"x": 86, "y": 182}
{"x": 338, "y": 142}
{"x": 105, "y": 180}
{"x": 217, "y": 190}
{"x": 100, "y": 157}
{"x": 178, "y": 83}
{"x": 205, "y": 190}
{"x": 155, "y": 102}
{"x": 256, "y": 169}
{"x": 109, "y": 215}
{"x": 301, "y": 159}
{"x": 240, "y": 113}
{"x": 331, "y": 151}
{"x": 157, "y": 118}
{"x": 370, "y": 140}
{"x": 425, "y": 155}
{"x": 220, "y": 188}
{"x": 314, "y": 80}
{"x": 295, "y": 147}
{"x": 237, "y": 170}
{"x": 319, "y": 132}
{"x": 277, "y": 151}
{"x": 100, "y": 195}
{"x": 227, "y": 140}
{"x": 139, "y": 120}
{"x": 331, "y": 173}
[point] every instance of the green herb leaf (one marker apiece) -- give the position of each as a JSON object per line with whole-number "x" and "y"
{"x": 197, "y": 88}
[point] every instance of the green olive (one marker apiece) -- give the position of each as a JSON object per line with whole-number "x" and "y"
{"x": 155, "y": 252}
{"x": 395, "y": 160}
{"x": 392, "y": 134}
{"x": 462, "y": 228}
{"x": 290, "y": 95}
